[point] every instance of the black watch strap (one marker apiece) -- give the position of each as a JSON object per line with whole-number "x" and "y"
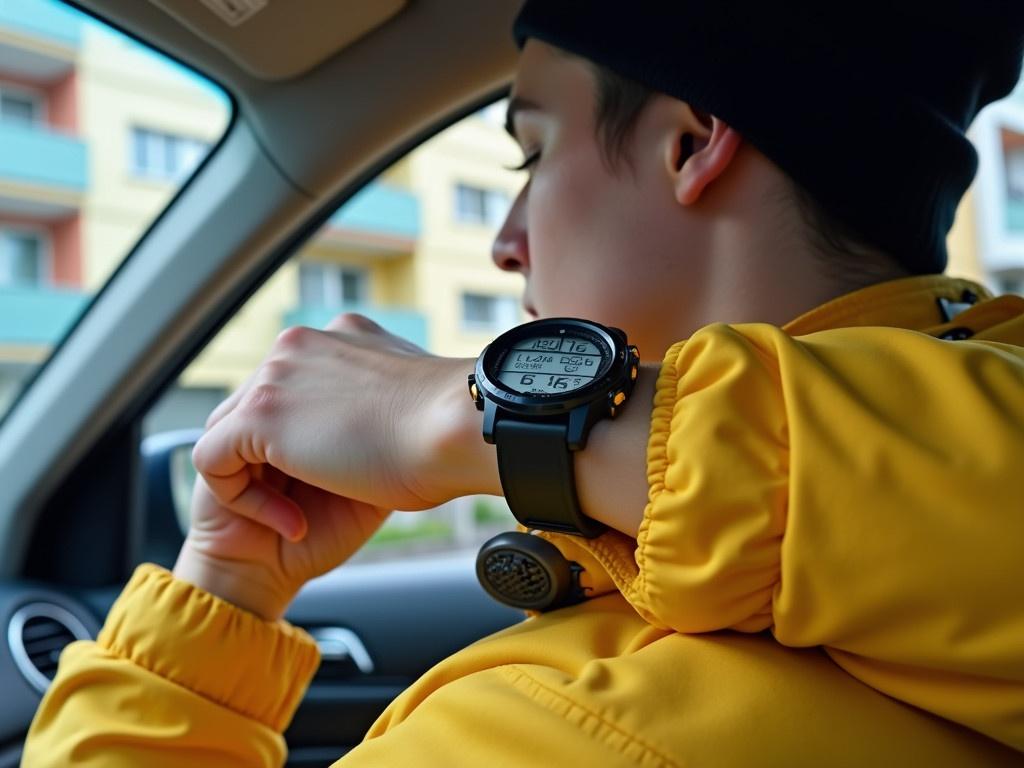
{"x": 538, "y": 477}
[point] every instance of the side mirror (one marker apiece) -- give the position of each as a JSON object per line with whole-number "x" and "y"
{"x": 168, "y": 477}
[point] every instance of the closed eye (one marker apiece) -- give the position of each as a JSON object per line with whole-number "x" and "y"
{"x": 526, "y": 164}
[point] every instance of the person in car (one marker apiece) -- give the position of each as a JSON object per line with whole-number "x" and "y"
{"x": 813, "y": 498}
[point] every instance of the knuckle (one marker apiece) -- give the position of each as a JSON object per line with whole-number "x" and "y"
{"x": 198, "y": 460}
{"x": 352, "y": 321}
{"x": 264, "y": 399}
{"x": 275, "y": 369}
{"x": 211, "y": 420}
{"x": 295, "y": 336}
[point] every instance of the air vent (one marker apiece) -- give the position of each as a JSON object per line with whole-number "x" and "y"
{"x": 37, "y": 633}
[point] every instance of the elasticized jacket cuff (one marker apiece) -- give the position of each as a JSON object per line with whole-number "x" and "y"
{"x": 176, "y": 630}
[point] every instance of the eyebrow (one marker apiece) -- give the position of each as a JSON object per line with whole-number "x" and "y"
{"x": 515, "y": 105}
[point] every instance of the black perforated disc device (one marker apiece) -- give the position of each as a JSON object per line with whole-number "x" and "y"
{"x": 527, "y": 572}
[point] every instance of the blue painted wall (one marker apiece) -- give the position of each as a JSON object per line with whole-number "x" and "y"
{"x": 410, "y": 325}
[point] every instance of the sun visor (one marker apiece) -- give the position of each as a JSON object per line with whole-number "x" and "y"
{"x": 280, "y": 39}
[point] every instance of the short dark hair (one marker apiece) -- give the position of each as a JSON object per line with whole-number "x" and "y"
{"x": 619, "y": 104}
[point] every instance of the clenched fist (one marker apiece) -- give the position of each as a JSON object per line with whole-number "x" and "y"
{"x": 302, "y": 464}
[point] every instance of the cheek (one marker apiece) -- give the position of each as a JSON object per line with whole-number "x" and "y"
{"x": 560, "y": 212}
{"x": 592, "y": 240}
{"x": 571, "y": 223}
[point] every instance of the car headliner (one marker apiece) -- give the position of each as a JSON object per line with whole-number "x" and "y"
{"x": 296, "y": 148}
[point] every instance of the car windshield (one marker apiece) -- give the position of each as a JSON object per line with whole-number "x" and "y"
{"x": 97, "y": 134}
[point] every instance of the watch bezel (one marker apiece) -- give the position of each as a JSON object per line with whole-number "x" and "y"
{"x": 615, "y": 367}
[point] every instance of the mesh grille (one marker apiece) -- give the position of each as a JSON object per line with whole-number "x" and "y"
{"x": 517, "y": 576}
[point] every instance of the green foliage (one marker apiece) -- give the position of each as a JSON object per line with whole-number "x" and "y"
{"x": 486, "y": 512}
{"x": 426, "y": 530}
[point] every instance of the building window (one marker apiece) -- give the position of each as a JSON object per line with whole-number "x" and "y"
{"x": 476, "y": 205}
{"x": 164, "y": 156}
{"x": 20, "y": 107}
{"x": 332, "y": 285}
{"x": 481, "y": 312}
{"x": 1013, "y": 160}
{"x": 21, "y": 258}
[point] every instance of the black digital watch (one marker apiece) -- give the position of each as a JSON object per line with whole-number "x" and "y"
{"x": 541, "y": 387}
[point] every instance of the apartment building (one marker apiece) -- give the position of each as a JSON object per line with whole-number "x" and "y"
{"x": 97, "y": 134}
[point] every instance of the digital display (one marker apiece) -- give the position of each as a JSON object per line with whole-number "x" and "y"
{"x": 550, "y": 365}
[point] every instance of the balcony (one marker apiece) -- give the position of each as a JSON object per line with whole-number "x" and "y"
{"x": 48, "y": 167}
{"x": 379, "y": 216}
{"x": 38, "y": 316}
{"x": 411, "y": 326}
{"x": 45, "y": 19}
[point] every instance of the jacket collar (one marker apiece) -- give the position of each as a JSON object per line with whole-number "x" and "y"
{"x": 925, "y": 303}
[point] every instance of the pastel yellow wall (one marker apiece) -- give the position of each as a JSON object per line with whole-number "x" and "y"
{"x": 246, "y": 339}
{"x": 121, "y": 87}
{"x": 239, "y": 347}
{"x": 453, "y": 257}
{"x": 962, "y": 243}
{"x": 449, "y": 258}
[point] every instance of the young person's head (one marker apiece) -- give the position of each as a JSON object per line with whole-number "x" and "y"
{"x": 688, "y": 165}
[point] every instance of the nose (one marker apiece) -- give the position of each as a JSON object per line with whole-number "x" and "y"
{"x": 510, "y": 251}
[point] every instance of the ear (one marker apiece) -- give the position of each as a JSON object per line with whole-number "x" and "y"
{"x": 705, "y": 147}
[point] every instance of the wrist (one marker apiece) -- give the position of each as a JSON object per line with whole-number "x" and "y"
{"x": 611, "y": 473}
{"x": 458, "y": 458}
{"x": 244, "y": 585}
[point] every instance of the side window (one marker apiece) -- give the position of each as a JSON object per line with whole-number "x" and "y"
{"x": 97, "y": 134}
{"x": 396, "y": 253}
{"x": 987, "y": 240}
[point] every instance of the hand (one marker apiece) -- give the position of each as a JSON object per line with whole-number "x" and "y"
{"x": 335, "y": 425}
{"x": 354, "y": 410}
{"x": 253, "y": 566}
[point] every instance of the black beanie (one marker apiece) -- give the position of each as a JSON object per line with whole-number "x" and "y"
{"x": 863, "y": 104}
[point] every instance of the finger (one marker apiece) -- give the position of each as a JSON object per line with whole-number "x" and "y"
{"x": 260, "y": 502}
{"x": 290, "y": 338}
{"x": 276, "y": 479}
{"x": 227, "y": 405}
{"x": 232, "y": 466}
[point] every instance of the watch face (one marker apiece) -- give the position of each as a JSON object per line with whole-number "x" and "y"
{"x": 551, "y": 364}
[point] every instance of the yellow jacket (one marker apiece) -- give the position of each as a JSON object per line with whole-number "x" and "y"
{"x": 851, "y": 483}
